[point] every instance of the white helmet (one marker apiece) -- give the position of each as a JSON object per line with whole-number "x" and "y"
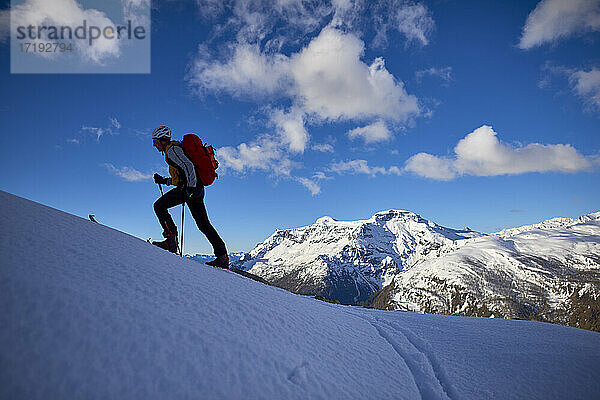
{"x": 162, "y": 132}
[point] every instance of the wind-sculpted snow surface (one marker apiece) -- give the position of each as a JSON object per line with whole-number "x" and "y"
{"x": 347, "y": 261}
{"x": 93, "y": 313}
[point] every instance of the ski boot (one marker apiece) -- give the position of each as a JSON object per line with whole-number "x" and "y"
{"x": 170, "y": 243}
{"x": 220, "y": 262}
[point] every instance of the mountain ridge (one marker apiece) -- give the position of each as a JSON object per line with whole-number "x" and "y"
{"x": 533, "y": 271}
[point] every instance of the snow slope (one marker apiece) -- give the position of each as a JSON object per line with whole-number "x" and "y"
{"x": 90, "y": 312}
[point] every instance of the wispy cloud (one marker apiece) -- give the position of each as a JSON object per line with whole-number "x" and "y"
{"x": 481, "y": 153}
{"x": 127, "y": 173}
{"x": 415, "y": 22}
{"x": 286, "y": 21}
{"x": 112, "y": 128}
{"x": 444, "y": 73}
{"x": 362, "y": 167}
{"x": 116, "y": 124}
{"x": 311, "y": 185}
{"x": 586, "y": 85}
{"x": 552, "y": 20}
{"x": 323, "y": 147}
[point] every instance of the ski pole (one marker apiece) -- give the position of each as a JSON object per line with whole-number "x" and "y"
{"x": 182, "y": 214}
{"x": 160, "y": 187}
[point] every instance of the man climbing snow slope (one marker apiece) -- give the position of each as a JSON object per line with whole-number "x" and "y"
{"x": 188, "y": 189}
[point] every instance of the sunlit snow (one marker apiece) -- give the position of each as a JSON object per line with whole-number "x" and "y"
{"x": 92, "y": 313}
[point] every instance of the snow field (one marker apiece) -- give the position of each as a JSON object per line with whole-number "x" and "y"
{"x": 90, "y": 312}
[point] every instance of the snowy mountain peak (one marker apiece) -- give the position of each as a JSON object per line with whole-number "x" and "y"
{"x": 394, "y": 214}
{"x": 348, "y": 260}
{"x": 325, "y": 220}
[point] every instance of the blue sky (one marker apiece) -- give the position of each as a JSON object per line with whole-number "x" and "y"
{"x": 479, "y": 114}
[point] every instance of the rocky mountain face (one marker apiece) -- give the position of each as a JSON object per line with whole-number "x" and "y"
{"x": 548, "y": 272}
{"x": 397, "y": 260}
{"x": 348, "y": 261}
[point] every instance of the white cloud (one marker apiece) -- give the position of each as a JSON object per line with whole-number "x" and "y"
{"x": 333, "y": 83}
{"x": 433, "y": 167}
{"x": 290, "y": 127}
{"x": 266, "y": 153}
{"x": 68, "y": 13}
{"x": 414, "y": 21}
{"x": 321, "y": 77}
{"x": 73, "y": 141}
{"x": 587, "y": 85}
{"x": 480, "y": 153}
{"x": 321, "y": 176}
{"x": 375, "y": 132}
{"x": 127, "y": 173}
{"x": 362, "y": 167}
{"x": 311, "y": 185}
{"x": 552, "y": 20}
{"x": 327, "y": 78}
{"x": 323, "y": 147}
{"x": 248, "y": 72}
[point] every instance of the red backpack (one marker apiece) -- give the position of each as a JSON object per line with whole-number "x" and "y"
{"x": 202, "y": 156}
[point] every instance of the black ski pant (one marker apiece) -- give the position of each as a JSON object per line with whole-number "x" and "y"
{"x": 177, "y": 196}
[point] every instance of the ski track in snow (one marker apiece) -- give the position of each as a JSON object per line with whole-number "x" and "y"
{"x": 429, "y": 358}
{"x": 427, "y": 372}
